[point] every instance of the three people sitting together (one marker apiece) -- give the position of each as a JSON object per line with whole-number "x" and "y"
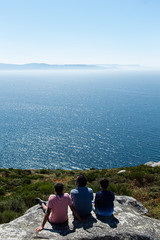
{"x": 79, "y": 201}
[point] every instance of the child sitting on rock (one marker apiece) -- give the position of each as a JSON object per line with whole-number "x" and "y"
{"x": 104, "y": 200}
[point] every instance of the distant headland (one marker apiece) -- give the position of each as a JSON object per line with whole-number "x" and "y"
{"x": 44, "y": 66}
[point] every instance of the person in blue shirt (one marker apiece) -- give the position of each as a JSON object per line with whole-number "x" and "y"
{"x": 104, "y": 200}
{"x": 82, "y": 197}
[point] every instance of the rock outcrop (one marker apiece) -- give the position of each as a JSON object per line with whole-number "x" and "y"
{"x": 153, "y": 164}
{"x": 128, "y": 223}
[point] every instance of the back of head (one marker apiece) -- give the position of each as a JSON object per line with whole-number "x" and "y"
{"x": 81, "y": 180}
{"x": 59, "y": 188}
{"x": 104, "y": 183}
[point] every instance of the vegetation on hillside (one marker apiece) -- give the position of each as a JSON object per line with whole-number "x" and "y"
{"x": 19, "y": 188}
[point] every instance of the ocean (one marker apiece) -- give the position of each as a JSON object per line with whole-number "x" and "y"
{"x": 79, "y": 119}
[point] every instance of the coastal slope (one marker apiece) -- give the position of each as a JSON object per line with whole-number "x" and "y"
{"x": 129, "y": 222}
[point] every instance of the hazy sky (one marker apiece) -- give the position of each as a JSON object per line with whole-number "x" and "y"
{"x": 80, "y": 31}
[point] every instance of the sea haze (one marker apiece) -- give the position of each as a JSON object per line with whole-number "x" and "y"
{"x": 79, "y": 119}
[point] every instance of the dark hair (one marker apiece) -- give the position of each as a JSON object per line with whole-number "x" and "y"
{"x": 58, "y": 188}
{"x": 104, "y": 183}
{"x": 82, "y": 180}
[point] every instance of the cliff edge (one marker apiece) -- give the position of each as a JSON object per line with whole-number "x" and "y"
{"x": 129, "y": 222}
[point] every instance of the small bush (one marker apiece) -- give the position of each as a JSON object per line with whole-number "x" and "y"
{"x": 91, "y": 176}
{"x": 149, "y": 178}
{"x": 29, "y": 198}
{"x": 19, "y": 171}
{"x": 27, "y": 172}
{"x": 17, "y": 205}
{"x": 26, "y": 181}
{"x": 138, "y": 176}
{"x": 14, "y": 175}
{"x": 5, "y": 173}
{"x": 46, "y": 189}
{"x": 154, "y": 192}
{"x": 112, "y": 187}
{"x": 16, "y": 182}
{"x": 3, "y": 179}
{"x": 44, "y": 171}
{"x": 120, "y": 189}
{"x": 3, "y": 205}
{"x": 58, "y": 173}
{"x": 2, "y": 191}
{"x": 96, "y": 188}
{"x": 35, "y": 177}
{"x": 7, "y": 216}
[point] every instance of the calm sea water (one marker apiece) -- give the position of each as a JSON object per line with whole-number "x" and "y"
{"x": 79, "y": 119}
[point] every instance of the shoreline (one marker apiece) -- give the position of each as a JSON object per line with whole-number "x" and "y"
{"x": 151, "y": 164}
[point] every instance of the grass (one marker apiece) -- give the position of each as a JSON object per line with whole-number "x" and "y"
{"x": 19, "y": 188}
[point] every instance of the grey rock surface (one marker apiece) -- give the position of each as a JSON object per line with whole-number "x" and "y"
{"x": 153, "y": 164}
{"x": 121, "y": 171}
{"x": 128, "y": 223}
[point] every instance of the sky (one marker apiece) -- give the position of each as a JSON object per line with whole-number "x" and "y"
{"x": 80, "y": 32}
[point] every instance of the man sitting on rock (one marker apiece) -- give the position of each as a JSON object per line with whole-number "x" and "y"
{"x": 56, "y": 211}
{"x": 82, "y": 197}
{"x": 104, "y": 200}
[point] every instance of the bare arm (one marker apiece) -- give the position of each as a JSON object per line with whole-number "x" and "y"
{"x": 75, "y": 213}
{"x": 44, "y": 220}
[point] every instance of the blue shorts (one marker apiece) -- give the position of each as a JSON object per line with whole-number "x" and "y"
{"x": 105, "y": 213}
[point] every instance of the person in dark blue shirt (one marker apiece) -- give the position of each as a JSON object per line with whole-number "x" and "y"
{"x": 104, "y": 200}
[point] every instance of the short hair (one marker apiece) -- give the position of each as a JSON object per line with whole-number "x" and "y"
{"x": 82, "y": 180}
{"x": 59, "y": 188}
{"x": 104, "y": 183}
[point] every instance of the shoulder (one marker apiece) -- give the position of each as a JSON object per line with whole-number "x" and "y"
{"x": 51, "y": 197}
{"x": 90, "y": 190}
{"x": 51, "y": 200}
{"x": 111, "y": 193}
{"x": 73, "y": 191}
{"x": 98, "y": 193}
{"x": 66, "y": 195}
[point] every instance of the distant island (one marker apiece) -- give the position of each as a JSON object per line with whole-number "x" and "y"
{"x": 44, "y": 66}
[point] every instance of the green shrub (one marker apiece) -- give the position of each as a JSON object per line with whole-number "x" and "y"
{"x": 14, "y": 175}
{"x": 3, "y": 179}
{"x": 138, "y": 176}
{"x": 38, "y": 187}
{"x": 44, "y": 171}
{"x": 46, "y": 189}
{"x": 116, "y": 178}
{"x": 96, "y": 188}
{"x": 123, "y": 190}
{"x": 120, "y": 189}
{"x": 112, "y": 187}
{"x": 27, "y": 171}
{"x": 35, "y": 177}
{"x": 26, "y": 180}
{"x": 29, "y": 198}
{"x": 58, "y": 173}
{"x": 91, "y": 176}
{"x": 2, "y": 191}
{"x": 3, "y": 205}
{"x": 16, "y": 182}
{"x": 154, "y": 192}
{"x": 71, "y": 173}
{"x": 7, "y": 216}
{"x": 17, "y": 204}
{"x": 149, "y": 178}
{"x": 5, "y": 173}
{"x": 18, "y": 171}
